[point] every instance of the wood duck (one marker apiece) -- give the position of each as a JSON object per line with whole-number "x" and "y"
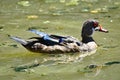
{"x": 47, "y": 43}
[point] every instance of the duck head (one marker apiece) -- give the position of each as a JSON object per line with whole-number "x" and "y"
{"x": 88, "y": 29}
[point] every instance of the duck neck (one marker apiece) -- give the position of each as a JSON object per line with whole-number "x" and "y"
{"x": 87, "y": 39}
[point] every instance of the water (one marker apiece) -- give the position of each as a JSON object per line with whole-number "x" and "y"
{"x": 60, "y": 17}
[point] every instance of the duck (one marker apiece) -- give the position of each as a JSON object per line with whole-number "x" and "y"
{"x": 50, "y": 43}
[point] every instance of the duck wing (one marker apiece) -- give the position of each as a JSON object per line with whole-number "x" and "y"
{"x": 57, "y": 37}
{"x": 41, "y": 34}
{"x": 54, "y": 39}
{"x": 47, "y": 39}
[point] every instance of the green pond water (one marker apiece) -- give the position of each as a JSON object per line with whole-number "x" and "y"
{"x": 61, "y": 17}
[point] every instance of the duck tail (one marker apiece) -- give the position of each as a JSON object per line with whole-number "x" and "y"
{"x": 19, "y": 40}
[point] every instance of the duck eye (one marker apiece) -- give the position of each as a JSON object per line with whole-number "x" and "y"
{"x": 95, "y": 24}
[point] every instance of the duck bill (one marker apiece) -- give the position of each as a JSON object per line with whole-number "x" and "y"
{"x": 99, "y": 28}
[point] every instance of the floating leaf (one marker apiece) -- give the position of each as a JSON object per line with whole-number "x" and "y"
{"x": 117, "y": 3}
{"x": 43, "y": 74}
{"x": 62, "y": 1}
{"x": 85, "y": 10}
{"x": 50, "y": 1}
{"x": 100, "y": 10}
{"x": 90, "y": 1}
{"x": 94, "y": 11}
{"x": 72, "y": 3}
{"x": 59, "y": 28}
{"x": 24, "y": 3}
{"x": 46, "y": 22}
{"x": 32, "y": 16}
{"x": 57, "y": 14}
{"x": 103, "y": 10}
